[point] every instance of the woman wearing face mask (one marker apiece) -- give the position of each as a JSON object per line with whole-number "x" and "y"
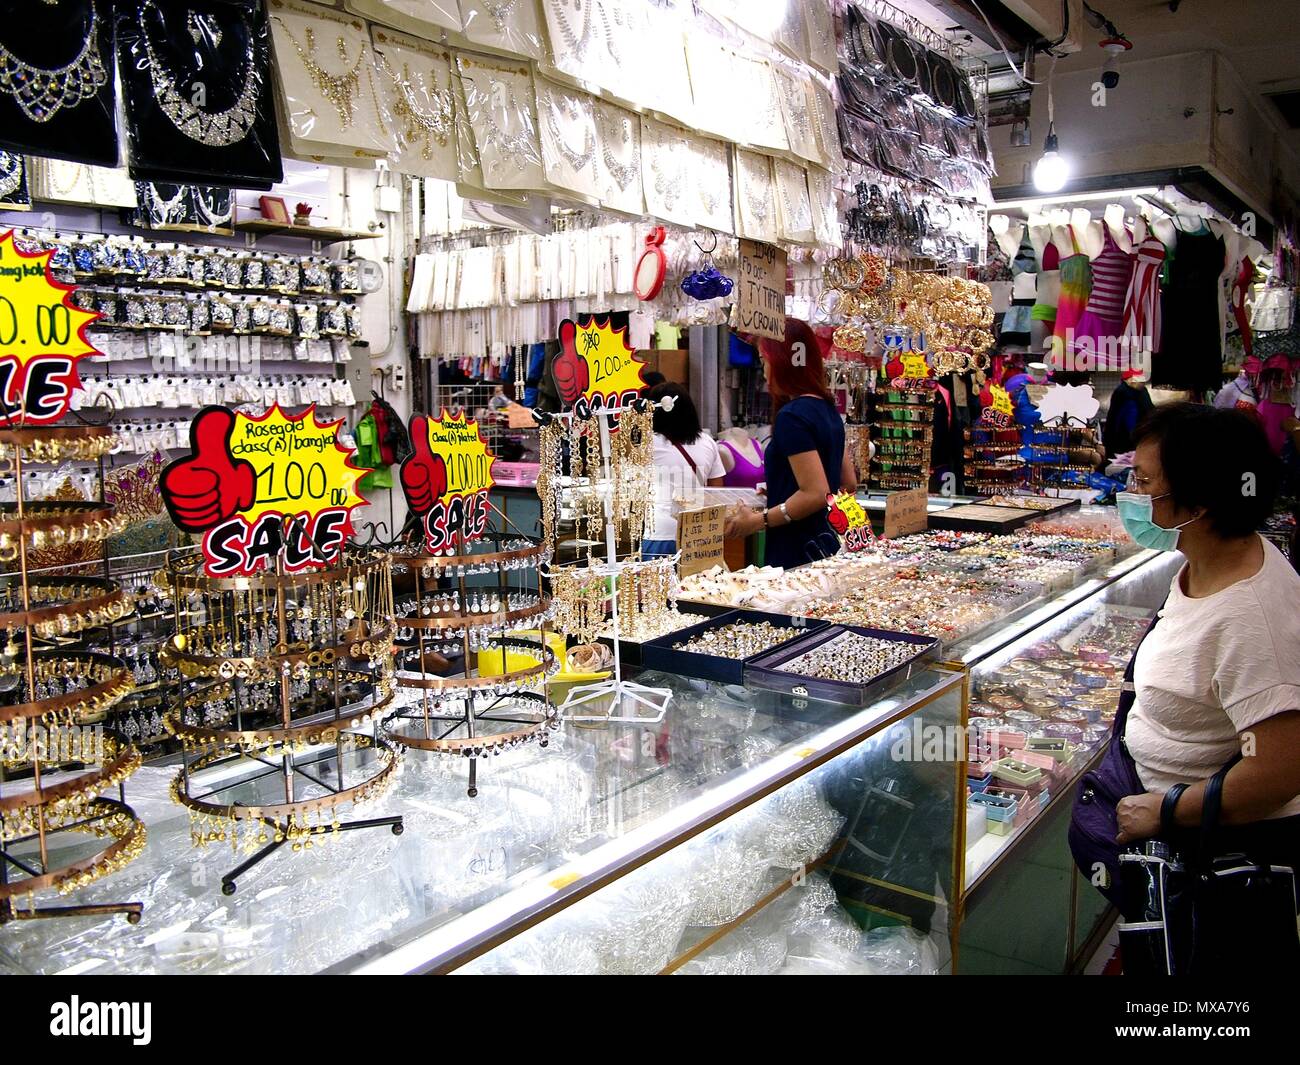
{"x": 1219, "y": 674}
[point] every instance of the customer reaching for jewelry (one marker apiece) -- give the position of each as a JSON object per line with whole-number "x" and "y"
{"x": 805, "y": 460}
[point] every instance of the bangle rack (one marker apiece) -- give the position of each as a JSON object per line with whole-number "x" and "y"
{"x": 279, "y": 681}
{"x": 481, "y": 600}
{"x": 57, "y": 764}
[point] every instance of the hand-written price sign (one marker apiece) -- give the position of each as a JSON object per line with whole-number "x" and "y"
{"x": 699, "y": 538}
{"x": 999, "y": 412}
{"x": 906, "y": 512}
{"x": 915, "y": 368}
{"x": 42, "y": 336}
{"x": 265, "y": 488}
{"x": 760, "y": 290}
{"x": 596, "y": 367}
{"x": 447, "y": 479}
{"x": 850, "y": 521}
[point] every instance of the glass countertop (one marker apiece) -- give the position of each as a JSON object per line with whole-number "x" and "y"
{"x": 546, "y": 825}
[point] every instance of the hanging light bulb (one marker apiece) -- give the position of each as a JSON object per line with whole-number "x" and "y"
{"x": 1051, "y": 171}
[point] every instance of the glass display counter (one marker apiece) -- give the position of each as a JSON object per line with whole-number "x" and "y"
{"x": 748, "y": 832}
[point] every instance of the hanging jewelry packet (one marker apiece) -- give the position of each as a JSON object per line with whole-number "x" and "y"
{"x": 709, "y": 179}
{"x": 331, "y": 88}
{"x": 416, "y": 81}
{"x": 618, "y": 159}
{"x": 500, "y": 107}
{"x": 794, "y": 209}
{"x": 512, "y": 26}
{"x": 665, "y": 161}
{"x": 197, "y": 84}
{"x": 756, "y": 214}
{"x": 567, "y": 122}
{"x": 424, "y": 18}
{"x": 56, "y": 80}
{"x": 14, "y": 193}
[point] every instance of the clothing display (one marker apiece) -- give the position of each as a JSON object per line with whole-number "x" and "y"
{"x": 1191, "y": 355}
{"x": 745, "y": 471}
{"x": 1142, "y": 323}
{"x": 1076, "y": 287}
{"x": 1101, "y": 325}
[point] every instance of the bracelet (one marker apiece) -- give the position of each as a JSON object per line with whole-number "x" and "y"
{"x": 765, "y": 522}
{"x": 785, "y": 513}
{"x": 1168, "y": 807}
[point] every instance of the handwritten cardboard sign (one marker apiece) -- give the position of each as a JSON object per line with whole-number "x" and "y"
{"x": 699, "y": 538}
{"x": 760, "y": 290}
{"x": 905, "y": 512}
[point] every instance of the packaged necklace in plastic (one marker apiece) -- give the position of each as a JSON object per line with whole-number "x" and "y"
{"x": 197, "y": 88}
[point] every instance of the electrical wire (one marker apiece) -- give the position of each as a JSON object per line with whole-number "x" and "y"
{"x": 1020, "y": 74}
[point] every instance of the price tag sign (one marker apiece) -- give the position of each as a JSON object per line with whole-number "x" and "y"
{"x": 596, "y": 366}
{"x": 999, "y": 412}
{"x": 850, "y": 521}
{"x": 699, "y": 538}
{"x": 914, "y": 365}
{"x": 42, "y": 337}
{"x": 447, "y": 478}
{"x": 264, "y": 489}
{"x": 760, "y": 290}
{"x": 906, "y": 512}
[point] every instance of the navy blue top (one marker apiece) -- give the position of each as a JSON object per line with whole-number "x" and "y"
{"x": 804, "y": 424}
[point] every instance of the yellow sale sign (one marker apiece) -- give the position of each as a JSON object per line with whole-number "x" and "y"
{"x": 447, "y": 478}
{"x": 42, "y": 337}
{"x": 596, "y": 366}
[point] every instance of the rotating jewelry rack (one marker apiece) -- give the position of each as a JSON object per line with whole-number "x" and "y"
{"x": 466, "y": 603}
{"x": 54, "y": 690}
{"x": 628, "y": 701}
{"x": 280, "y": 681}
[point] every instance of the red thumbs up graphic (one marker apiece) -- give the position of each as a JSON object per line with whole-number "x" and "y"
{"x": 570, "y": 369}
{"x": 424, "y": 474}
{"x": 211, "y": 485}
{"x": 838, "y": 519}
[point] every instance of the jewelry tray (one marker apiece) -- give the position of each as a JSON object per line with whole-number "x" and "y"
{"x": 660, "y": 653}
{"x": 763, "y": 671}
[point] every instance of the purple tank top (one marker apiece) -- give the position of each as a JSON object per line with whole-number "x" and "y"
{"x": 744, "y": 474}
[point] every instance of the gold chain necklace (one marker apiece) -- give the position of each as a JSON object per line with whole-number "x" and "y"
{"x": 341, "y": 90}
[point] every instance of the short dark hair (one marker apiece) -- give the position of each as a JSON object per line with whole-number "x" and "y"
{"x": 649, "y": 379}
{"x": 1208, "y": 455}
{"x": 681, "y": 425}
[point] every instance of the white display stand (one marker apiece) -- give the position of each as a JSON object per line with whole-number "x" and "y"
{"x": 629, "y": 702}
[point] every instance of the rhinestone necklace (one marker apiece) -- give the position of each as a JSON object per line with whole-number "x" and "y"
{"x": 622, "y": 173}
{"x": 513, "y": 146}
{"x": 216, "y": 129}
{"x": 341, "y": 90}
{"x": 576, "y": 41}
{"x": 556, "y": 111}
{"x": 42, "y": 93}
{"x": 421, "y": 122}
{"x": 500, "y": 13}
{"x": 11, "y": 172}
{"x": 758, "y": 208}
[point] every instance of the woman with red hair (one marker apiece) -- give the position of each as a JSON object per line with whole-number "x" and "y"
{"x": 805, "y": 459}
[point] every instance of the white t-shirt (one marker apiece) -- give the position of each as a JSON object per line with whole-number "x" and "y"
{"x": 674, "y": 478}
{"x": 1211, "y": 669}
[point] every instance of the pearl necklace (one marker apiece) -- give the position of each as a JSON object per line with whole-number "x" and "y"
{"x": 42, "y": 93}
{"x": 216, "y": 129}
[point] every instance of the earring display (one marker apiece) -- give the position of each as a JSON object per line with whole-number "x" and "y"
{"x": 473, "y": 653}
{"x": 54, "y": 691}
{"x": 56, "y": 82}
{"x": 310, "y": 655}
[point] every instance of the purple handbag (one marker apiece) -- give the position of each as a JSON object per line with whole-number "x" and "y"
{"x": 1094, "y": 823}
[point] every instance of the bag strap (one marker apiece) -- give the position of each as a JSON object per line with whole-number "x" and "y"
{"x": 1211, "y": 806}
{"x": 690, "y": 462}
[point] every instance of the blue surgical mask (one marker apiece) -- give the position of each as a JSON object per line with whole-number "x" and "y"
{"x": 1135, "y": 513}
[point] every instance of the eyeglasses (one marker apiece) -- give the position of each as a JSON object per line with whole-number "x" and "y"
{"x": 1136, "y": 483}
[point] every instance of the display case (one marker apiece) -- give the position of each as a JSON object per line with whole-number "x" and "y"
{"x": 747, "y": 832}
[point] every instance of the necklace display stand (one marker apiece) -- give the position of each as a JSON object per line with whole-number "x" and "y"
{"x": 58, "y": 690}
{"x": 628, "y": 701}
